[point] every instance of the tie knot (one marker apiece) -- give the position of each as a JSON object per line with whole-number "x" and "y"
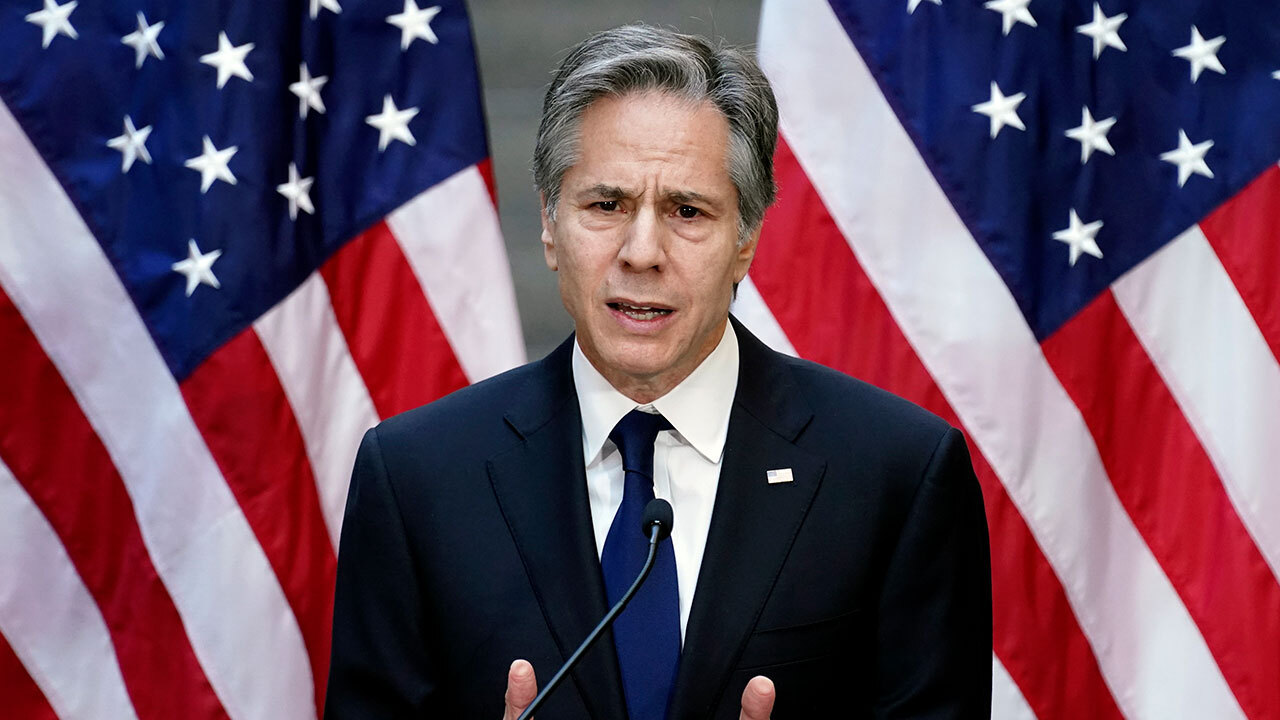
{"x": 634, "y": 435}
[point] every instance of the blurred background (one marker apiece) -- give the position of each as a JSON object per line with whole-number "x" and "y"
{"x": 515, "y": 67}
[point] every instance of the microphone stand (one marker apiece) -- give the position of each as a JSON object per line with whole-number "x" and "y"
{"x": 655, "y": 536}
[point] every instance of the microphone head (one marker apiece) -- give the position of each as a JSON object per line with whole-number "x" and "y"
{"x": 658, "y": 512}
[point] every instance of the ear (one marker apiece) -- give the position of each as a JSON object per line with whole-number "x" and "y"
{"x": 746, "y": 252}
{"x": 548, "y": 241}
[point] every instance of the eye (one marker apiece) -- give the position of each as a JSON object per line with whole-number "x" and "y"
{"x": 606, "y": 205}
{"x": 688, "y": 212}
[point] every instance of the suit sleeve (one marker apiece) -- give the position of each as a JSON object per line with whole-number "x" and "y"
{"x": 933, "y": 637}
{"x": 379, "y": 666}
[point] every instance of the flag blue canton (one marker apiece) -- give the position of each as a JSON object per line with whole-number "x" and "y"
{"x": 73, "y": 96}
{"x": 1017, "y": 190}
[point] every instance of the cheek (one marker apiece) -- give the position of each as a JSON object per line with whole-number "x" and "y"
{"x": 713, "y": 278}
{"x": 580, "y": 277}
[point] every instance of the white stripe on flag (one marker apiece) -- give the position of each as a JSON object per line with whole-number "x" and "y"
{"x": 329, "y": 398}
{"x": 1218, "y": 366}
{"x": 1007, "y": 702}
{"x": 49, "y": 617}
{"x": 241, "y": 627}
{"x": 750, "y": 308}
{"x": 956, "y": 312}
{"x": 451, "y": 238}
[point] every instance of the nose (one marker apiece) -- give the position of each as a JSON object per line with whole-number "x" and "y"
{"x": 644, "y": 241}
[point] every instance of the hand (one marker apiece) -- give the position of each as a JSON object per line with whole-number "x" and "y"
{"x": 757, "y": 699}
{"x": 522, "y": 688}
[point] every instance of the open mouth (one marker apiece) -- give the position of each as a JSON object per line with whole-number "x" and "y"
{"x": 640, "y": 312}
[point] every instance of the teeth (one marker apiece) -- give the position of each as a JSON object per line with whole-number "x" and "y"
{"x": 638, "y": 312}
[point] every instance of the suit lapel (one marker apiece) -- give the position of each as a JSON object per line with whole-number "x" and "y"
{"x": 752, "y": 526}
{"x": 541, "y": 488}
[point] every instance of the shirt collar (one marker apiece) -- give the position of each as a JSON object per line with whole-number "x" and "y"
{"x": 698, "y": 408}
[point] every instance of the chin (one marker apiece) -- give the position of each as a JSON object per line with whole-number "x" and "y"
{"x": 637, "y": 362}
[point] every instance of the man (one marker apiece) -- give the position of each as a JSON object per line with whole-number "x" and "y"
{"x": 829, "y": 553}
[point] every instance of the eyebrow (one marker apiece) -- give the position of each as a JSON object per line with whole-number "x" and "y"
{"x": 680, "y": 197}
{"x": 689, "y": 197}
{"x": 608, "y": 192}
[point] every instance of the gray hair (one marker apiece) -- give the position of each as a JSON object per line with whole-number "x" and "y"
{"x": 640, "y": 58}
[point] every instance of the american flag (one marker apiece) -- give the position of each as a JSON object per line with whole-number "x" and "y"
{"x": 1057, "y": 225}
{"x": 233, "y": 235}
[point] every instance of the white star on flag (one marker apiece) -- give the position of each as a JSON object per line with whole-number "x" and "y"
{"x": 1092, "y": 135}
{"x": 229, "y": 60}
{"x": 1080, "y": 238}
{"x": 1202, "y": 54}
{"x": 1012, "y": 11}
{"x": 143, "y": 40}
{"x": 1276, "y": 75}
{"x": 330, "y": 5}
{"x": 392, "y": 124}
{"x": 298, "y": 193}
{"x": 307, "y": 89}
{"x": 1189, "y": 158}
{"x": 1002, "y": 110}
{"x": 212, "y": 165}
{"x": 913, "y": 4}
{"x": 54, "y": 19}
{"x": 415, "y": 23}
{"x": 198, "y": 267}
{"x": 132, "y": 145}
{"x": 1104, "y": 30}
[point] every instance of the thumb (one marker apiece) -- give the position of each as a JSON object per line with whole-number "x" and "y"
{"x": 757, "y": 699}
{"x": 522, "y": 688}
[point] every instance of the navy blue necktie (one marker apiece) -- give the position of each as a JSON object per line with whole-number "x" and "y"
{"x": 647, "y": 634}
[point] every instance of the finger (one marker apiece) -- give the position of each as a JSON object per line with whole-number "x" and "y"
{"x": 522, "y": 688}
{"x": 757, "y": 699}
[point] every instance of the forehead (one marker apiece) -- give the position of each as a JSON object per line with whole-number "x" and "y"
{"x": 641, "y": 136}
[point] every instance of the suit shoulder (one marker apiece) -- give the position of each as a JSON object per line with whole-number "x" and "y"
{"x": 467, "y": 413}
{"x": 880, "y": 439}
{"x": 856, "y": 404}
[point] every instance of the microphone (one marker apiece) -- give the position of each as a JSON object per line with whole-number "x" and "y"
{"x": 656, "y": 525}
{"x": 657, "y": 514}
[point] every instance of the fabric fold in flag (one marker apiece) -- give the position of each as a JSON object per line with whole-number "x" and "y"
{"x": 200, "y": 254}
{"x": 1044, "y": 222}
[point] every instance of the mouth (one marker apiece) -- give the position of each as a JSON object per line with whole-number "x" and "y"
{"x": 640, "y": 313}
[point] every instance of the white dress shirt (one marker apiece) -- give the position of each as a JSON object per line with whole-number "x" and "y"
{"x": 686, "y": 460}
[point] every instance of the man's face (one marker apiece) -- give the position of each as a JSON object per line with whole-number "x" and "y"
{"x": 645, "y": 239}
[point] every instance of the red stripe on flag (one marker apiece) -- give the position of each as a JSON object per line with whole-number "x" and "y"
{"x": 54, "y": 453}
{"x": 22, "y": 698}
{"x": 1037, "y": 635}
{"x": 1192, "y": 528}
{"x": 1243, "y": 233}
{"x": 842, "y": 322}
{"x": 485, "y": 167}
{"x": 394, "y": 337}
{"x": 241, "y": 410}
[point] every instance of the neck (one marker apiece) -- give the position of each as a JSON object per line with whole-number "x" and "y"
{"x": 644, "y": 392}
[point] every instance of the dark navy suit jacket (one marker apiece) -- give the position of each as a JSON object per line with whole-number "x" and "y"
{"x": 862, "y": 588}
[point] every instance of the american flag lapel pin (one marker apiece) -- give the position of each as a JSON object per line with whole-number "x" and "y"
{"x": 779, "y": 476}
